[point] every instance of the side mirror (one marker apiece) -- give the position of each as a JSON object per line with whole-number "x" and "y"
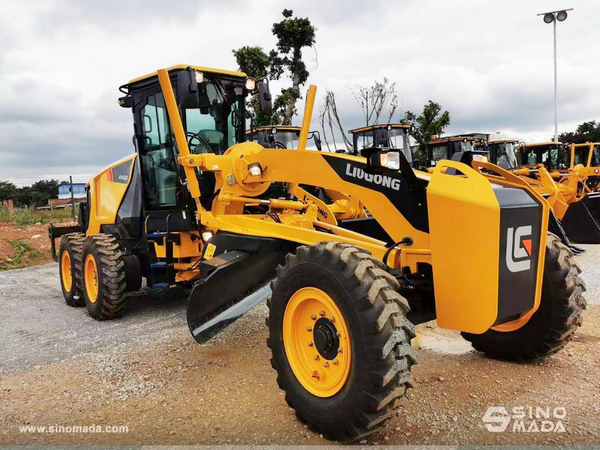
{"x": 264, "y": 97}
{"x": 317, "y": 137}
{"x": 187, "y": 88}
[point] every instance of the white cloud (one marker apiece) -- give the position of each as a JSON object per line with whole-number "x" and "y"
{"x": 488, "y": 63}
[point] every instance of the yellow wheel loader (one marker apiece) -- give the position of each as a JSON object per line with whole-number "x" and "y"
{"x": 342, "y": 303}
{"x": 576, "y": 176}
{"x": 545, "y": 167}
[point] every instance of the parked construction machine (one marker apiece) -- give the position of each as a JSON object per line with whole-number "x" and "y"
{"x": 342, "y": 303}
{"x": 444, "y": 148}
{"x": 280, "y": 136}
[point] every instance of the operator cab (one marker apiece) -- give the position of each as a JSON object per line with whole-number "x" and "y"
{"x": 211, "y": 105}
{"x": 444, "y": 148}
{"x": 502, "y": 153}
{"x": 280, "y": 136}
{"x": 587, "y": 154}
{"x": 553, "y": 155}
{"x": 390, "y": 135}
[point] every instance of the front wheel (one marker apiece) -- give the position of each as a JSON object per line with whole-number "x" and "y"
{"x": 340, "y": 339}
{"x": 553, "y": 325}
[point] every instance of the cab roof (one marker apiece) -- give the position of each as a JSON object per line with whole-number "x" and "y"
{"x": 230, "y": 73}
{"x": 503, "y": 141}
{"x": 380, "y": 125}
{"x": 453, "y": 139}
{"x": 543, "y": 144}
{"x": 270, "y": 127}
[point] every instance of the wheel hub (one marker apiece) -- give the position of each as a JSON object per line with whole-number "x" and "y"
{"x": 326, "y": 338}
{"x": 317, "y": 342}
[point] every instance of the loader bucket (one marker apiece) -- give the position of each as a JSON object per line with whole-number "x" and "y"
{"x": 486, "y": 246}
{"x": 581, "y": 222}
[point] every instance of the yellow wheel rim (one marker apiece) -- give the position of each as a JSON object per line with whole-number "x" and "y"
{"x": 514, "y": 325}
{"x": 317, "y": 342}
{"x": 66, "y": 275}
{"x": 91, "y": 278}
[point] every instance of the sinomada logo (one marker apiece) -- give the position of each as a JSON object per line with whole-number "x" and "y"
{"x": 525, "y": 419}
{"x": 518, "y": 248}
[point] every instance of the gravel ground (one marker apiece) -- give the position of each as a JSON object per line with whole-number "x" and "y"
{"x": 60, "y": 367}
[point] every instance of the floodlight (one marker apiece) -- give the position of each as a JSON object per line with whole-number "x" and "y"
{"x": 549, "y": 18}
{"x": 562, "y": 16}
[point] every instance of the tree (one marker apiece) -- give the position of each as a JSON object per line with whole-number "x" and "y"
{"x": 255, "y": 63}
{"x": 374, "y": 99}
{"x": 293, "y": 34}
{"x": 377, "y": 100}
{"x": 586, "y": 132}
{"x": 329, "y": 119}
{"x": 431, "y": 122}
{"x": 8, "y": 191}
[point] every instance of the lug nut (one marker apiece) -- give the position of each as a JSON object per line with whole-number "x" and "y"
{"x": 310, "y": 344}
{"x": 322, "y": 313}
{"x": 308, "y": 328}
{"x": 316, "y": 357}
{"x": 338, "y": 334}
{"x": 313, "y": 317}
{"x": 325, "y": 364}
{"x": 335, "y": 362}
{"x": 340, "y": 350}
{"x": 332, "y": 319}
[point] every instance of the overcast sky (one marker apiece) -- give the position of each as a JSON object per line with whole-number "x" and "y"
{"x": 487, "y": 62}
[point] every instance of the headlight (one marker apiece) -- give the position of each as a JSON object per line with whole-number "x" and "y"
{"x": 255, "y": 169}
{"x": 250, "y": 84}
{"x": 390, "y": 160}
{"x": 199, "y": 77}
{"x": 207, "y": 236}
{"x": 481, "y": 158}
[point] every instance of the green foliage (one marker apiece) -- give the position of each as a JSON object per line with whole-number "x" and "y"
{"x": 37, "y": 194}
{"x": 253, "y": 61}
{"x": 431, "y": 122}
{"x": 586, "y": 132}
{"x": 8, "y": 191}
{"x": 293, "y": 34}
{"x": 22, "y": 251}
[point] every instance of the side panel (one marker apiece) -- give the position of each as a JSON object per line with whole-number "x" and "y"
{"x": 107, "y": 190}
{"x": 487, "y": 244}
{"x": 464, "y": 222}
{"x": 520, "y": 240}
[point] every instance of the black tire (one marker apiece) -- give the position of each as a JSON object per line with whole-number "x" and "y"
{"x": 112, "y": 284}
{"x": 554, "y": 323}
{"x": 72, "y": 243}
{"x": 380, "y": 336}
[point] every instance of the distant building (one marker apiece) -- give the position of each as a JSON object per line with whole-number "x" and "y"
{"x": 64, "y": 191}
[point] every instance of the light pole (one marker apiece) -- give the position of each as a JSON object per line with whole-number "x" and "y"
{"x": 553, "y": 17}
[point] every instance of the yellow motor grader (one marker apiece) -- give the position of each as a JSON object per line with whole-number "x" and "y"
{"x": 468, "y": 246}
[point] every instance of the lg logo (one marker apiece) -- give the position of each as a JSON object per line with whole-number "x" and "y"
{"x": 518, "y": 249}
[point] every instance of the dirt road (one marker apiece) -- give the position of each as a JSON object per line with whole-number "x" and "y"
{"x": 58, "y": 367}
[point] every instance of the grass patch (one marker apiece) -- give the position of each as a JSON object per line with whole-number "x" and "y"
{"x": 23, "y": 217}
{"x": 22, "y": 255}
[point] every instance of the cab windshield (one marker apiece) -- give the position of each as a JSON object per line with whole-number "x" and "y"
{"x": 506, "y": 155}
{"x": 381, "y": 137}
{"x": 213, "y": 124}
{"x": 553, "y": 157}
{"x": 581, "y": 154}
